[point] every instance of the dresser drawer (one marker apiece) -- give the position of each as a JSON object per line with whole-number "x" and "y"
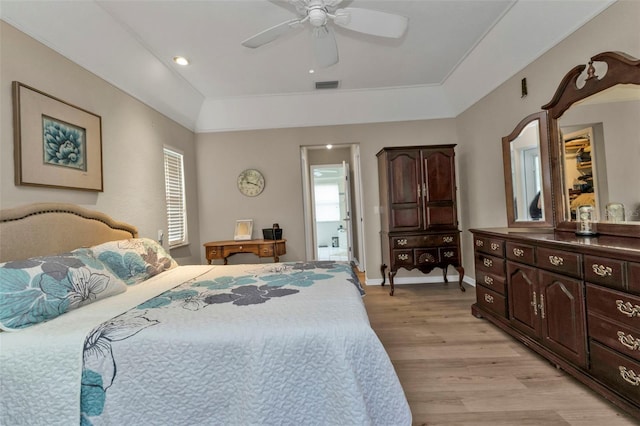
{"x": 633, "y": 277}
{"x": 616, "y": 370}
{"x": 621, "y": 307}
{"x": 565, "y": 262}
{"x": 490, "y": 246}
{"x": 521, "y": 252}
{"x": 493, "y": 265}
{"x": 622, "y": 338}
{"x": 417, "y": 241}
{"x": 491, "y": 281}
{"x": 491, "y": 301}
{"x": 604, "y": 271}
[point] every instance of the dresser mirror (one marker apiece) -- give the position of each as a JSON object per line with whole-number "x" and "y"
{"x": 527, "y": 175}
{"x": 594, "y": 144}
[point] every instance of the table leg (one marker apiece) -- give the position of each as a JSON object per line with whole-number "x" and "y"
{"x": 383, "y": 267}
{"x": 276, "y": 259}
{"x": 444, "y": 273}
{"x": 225, "y": 260}
{"x": 460, "y": 270}
{"x": 391, "y": 275}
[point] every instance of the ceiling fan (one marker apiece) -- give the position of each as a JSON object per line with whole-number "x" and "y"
{"x": 320, "y": 13}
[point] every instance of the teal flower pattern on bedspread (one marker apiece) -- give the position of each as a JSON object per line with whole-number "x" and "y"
{"x": 41, "y": 288}
{"x": 265, "y": 283}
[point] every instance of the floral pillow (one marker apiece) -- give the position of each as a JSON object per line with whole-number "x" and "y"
{"x": 41, "y": 288}
{"x": 134, "y": 260}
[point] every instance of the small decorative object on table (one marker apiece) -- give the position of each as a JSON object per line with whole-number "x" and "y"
{"x": 586, "y": 221}
{"x": 615, "y": 212}
{"x": 244, "y": 229}
{"x": 273, "y": 233}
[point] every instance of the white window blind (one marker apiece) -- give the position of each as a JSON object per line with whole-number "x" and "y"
{"x": 176, "y": 204}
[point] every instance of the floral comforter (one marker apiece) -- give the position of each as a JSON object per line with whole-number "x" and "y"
{"x": 282, "y": 344}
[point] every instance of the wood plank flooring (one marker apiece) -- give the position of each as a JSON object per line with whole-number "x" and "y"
{"x": 460, "y": 370}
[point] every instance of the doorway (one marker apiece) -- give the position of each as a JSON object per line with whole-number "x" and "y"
{"x": 332, "y": 203}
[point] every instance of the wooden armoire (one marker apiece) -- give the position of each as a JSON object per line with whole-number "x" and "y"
{"x": 419, "y": 220}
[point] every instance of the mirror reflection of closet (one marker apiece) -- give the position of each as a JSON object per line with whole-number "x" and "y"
{"x": 527, "y": 175}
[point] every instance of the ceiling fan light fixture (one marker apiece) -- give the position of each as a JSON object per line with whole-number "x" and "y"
{"x": 317, "y": 17}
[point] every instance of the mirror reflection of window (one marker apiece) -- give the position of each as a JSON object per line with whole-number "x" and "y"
{"x": 526, "y": 174}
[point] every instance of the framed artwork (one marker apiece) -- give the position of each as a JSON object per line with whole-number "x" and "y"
{"x": 244, "y": 229}
{"x": 56, "y": 144}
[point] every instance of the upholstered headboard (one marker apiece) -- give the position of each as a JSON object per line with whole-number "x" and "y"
{"x": 50, "y": 228}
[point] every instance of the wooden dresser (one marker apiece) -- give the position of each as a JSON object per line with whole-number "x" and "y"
{"x": 418, "y": 210}
{"x": 574, "y": 300}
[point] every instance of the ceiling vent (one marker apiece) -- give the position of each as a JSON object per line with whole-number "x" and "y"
{"x": 327, "y": 84}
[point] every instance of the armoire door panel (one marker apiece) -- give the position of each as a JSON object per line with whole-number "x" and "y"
{"x": 439, "y": 176}
{"x": 438, "y": 216}
{"x": 406, "y": 219}
{"x": 404, "y": 176}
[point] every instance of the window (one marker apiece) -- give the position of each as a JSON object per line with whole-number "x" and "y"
{"x": 176, "y": 204}
{"x": 327, "y": 197}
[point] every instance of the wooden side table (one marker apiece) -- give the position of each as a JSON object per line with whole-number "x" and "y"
{"x": 261, "y": 248}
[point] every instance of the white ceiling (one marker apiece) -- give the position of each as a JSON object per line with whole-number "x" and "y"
{"x": 431, "y": 72}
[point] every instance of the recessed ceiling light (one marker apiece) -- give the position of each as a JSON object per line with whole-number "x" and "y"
{"x": 312, "y": 71}
{"x": 181, "y": 60}
{"x": 329, "y": 146}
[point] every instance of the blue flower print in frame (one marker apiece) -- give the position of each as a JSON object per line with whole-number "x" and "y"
{"x": 64, "y": 144}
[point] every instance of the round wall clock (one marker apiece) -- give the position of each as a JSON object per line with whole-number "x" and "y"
{"x": 251, "y": 182}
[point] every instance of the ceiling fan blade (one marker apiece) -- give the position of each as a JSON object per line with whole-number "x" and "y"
{"x": 325, "y": 47}
{"x": 270, "y": 34}
{"x": 372, "y": 22}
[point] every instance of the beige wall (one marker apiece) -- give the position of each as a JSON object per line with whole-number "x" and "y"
{"x": 482, "y": 126}
{"x": 222, "y": 156}
{"x": 132, "y": 139}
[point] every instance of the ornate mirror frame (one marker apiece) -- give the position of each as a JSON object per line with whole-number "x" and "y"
{"x": 545, "y": 173}
{"x": 621, "y": 69}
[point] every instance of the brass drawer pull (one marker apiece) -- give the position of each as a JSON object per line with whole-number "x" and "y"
{"x": 447, "y": 239}
{"x": 448, "y": 254}
{"x": 213, "y": 252}
{"x": 403, "y": 257}
{"x": 479, "y": 243}
{"x": 488, "y": 280}
{"x": 487, "y": 262}
{"x": 628, "y": 309}
{"x": 488, "y": 298}
{"x": 542, "y": 306}
{"x": 601, "y": 270}
{"x": 534, "y": 303}
{"x": 495, "y": 246}
{"x": 629, "y": 376}
{"x": 518, "y": 252}
{"x": 402, "y": 242}
{"x": 556, "y": 260}
{"x": 629, "y": 341}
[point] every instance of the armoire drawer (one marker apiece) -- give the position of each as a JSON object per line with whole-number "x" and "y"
{"x": 622, "y": 338}
{"x": 417, "y": 241}
{"x": 494, "y": 282}
{"x": 602, "y": 270}
{"x": 493, "y": 265}
{"x": 621, "y": 307}
{"x": 402, "y": 258}
{"x": 561, "y": 261}
{"x": 616, "y": 370}
{"x": 521, "y": 252}
{"x": 490, "y": 246}
{"x": 491, "y": 300}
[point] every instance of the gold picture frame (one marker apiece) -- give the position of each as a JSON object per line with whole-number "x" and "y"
{"x": 56, "y": 144}
{"x": 244, "y": 229}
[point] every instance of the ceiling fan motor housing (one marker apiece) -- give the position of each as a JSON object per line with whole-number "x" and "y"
{"x": 317, "y": 16}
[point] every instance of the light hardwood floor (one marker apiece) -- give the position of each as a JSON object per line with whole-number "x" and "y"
{"x": 460, "y": 370}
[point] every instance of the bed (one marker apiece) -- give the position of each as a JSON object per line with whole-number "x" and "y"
{"x": 101, "y": 327}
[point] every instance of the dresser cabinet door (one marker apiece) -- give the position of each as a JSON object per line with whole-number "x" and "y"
{"x": 561, "y": 306}
{"x": 522, "y": 284}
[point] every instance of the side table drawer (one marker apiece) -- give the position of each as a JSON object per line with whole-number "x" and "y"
{"x": 604, "y": 271}
{"x": 493, "y": 265}
{"x": 215, "y": 252}
{"x": 565, "y": 262}
{"x": 491, "y": 300}
{"x": 521, "y": 252}
{"x": 266, "y": 250}
{"x": 490, "y": 246}
{"x": 617, "y": 371}
{"x": 494, "y": 282}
